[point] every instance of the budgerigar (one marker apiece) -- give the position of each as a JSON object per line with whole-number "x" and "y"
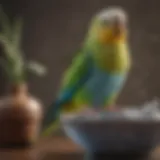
{"x": 99, "y": 70}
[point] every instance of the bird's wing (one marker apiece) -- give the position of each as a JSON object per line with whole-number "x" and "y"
{"x": 74, "y": 78}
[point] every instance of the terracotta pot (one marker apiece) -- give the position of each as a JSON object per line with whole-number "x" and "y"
{"x": 20, "y": 118}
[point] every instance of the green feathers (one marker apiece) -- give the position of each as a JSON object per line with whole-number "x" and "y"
{"x": 10, "y": 38}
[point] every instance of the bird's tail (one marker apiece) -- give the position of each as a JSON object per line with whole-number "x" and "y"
{"x": 51, "y": 120}
{"x": 50, "y": 129}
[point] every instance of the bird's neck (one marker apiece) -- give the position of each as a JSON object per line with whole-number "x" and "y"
{"x": 94, "y": 45}
{"x": 110, "y": 56}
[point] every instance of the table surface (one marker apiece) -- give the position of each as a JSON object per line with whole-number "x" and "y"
{"x": 46, "y": 149}
{"x": 55, "y": 148}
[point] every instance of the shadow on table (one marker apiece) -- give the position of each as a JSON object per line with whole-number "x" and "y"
{"x": 60, "y": 156}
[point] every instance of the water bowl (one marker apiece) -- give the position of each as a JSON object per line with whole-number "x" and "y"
{"x": 118, "y": 132}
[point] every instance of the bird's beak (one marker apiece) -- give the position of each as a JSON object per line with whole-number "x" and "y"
{"x": 119, "y": 30}
{"x": 113, "y": 34}
{"x": 105, "y": 34}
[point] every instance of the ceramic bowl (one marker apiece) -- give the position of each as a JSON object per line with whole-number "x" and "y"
{"x": 112, "y": 132}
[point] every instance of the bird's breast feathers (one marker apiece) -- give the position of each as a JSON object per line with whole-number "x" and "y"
{"x": 114, "y": 59}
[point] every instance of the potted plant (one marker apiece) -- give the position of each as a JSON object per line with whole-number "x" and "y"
{"x": 20, "y": 113}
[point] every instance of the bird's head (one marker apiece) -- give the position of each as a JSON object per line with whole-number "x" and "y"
{"x": 110, "y": 25}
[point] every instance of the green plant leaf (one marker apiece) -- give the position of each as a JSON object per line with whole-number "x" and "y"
{"x": 3, "y": 39}
{"x": 8, "y": 48}
{"x": 17, "y": 32}
{"x": 5, "y": 23}
{"x": 10, "y": 38}
{"x": 5, "y": 66}
{"x": 37, "y": 68}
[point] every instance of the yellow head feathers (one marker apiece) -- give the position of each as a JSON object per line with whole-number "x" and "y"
{"x": 111, "y": 25}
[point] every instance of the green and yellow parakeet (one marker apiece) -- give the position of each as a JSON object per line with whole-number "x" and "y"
{"x": 99, "y": 70}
